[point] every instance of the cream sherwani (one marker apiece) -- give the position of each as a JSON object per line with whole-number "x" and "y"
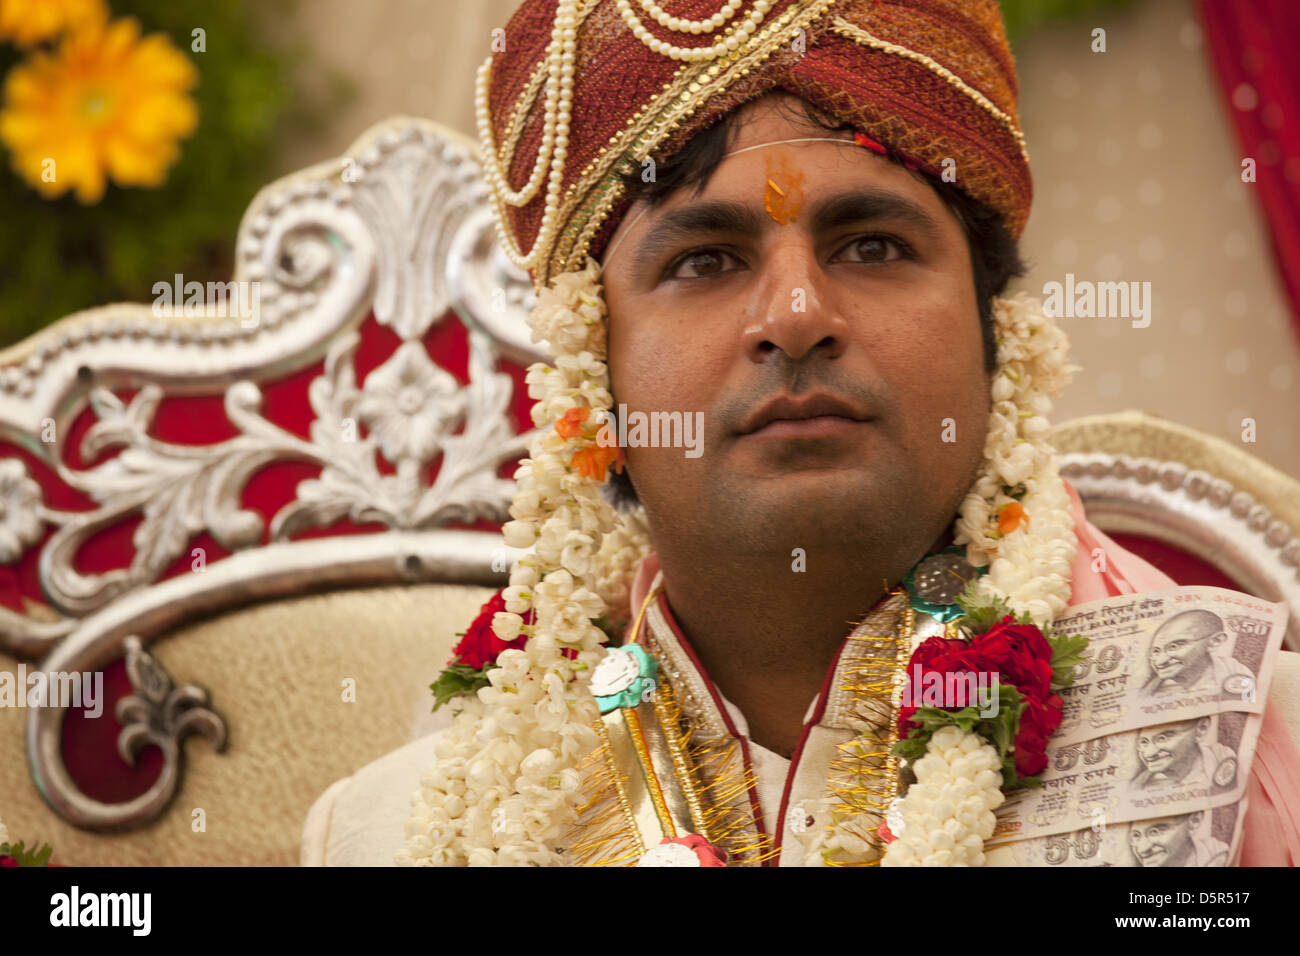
{"x": 359, "y": 820}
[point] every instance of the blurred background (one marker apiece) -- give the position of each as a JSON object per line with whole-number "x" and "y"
{"x": 1137, "y": 153}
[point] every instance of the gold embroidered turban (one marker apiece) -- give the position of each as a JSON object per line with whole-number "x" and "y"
{"x": 578, "y": 93}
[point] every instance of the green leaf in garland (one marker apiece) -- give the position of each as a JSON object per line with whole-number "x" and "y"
{"x": 1067, "y": 654}
{"x": 614, "y": 630}
{"x": 980, "y": 614}
{"x": 999, "y": 730}
{"x": 458, "y": 680}
{"x": 39, "y": 856}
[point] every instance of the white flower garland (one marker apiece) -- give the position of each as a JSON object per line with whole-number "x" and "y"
{"x": 505, "y": 786}
{"x": 948, "y": 813}
{"x": 1030, "y": 567}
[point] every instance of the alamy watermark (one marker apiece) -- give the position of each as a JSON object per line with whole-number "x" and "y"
{"x": 62, "y": 689}
{"x": 951, "y": 690}
{"x": 652, "y": 430}
{"x": 1085, "y": 299}
{"x": 240, "y": 300}
{"x": 130, "y": 910}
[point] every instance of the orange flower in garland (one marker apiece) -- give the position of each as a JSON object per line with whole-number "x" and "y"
{"x": 26, "y": 22}
{"x": 107, "y": 103}
{"x": 592, "y": 462}
{"x": 1011, "y": 516}
{"x": 570, "y": 425}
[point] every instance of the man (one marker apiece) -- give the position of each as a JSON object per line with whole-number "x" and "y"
{"x": 800, "y": 230}
{"x": 1191, "y": 654}
{"x": 814, "y": 440}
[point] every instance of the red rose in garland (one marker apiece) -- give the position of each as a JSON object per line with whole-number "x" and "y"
{"x": 1038, "y": 721}
{"x": 1020, "y": 654}
{"x": 937, "y": 655}
{"x": 480, "y": 646}
{"x": 476, "y": 654}
{"x": 1022, "y": 665}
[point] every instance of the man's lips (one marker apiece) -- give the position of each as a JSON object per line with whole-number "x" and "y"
{"x": 822, "y": 425}
{"x": 805, "y": 416}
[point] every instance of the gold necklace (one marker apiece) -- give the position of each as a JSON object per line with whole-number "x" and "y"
{"x": 657, "y": 776}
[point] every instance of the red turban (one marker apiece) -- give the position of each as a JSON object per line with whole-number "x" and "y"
{"x": 933, "y": 80}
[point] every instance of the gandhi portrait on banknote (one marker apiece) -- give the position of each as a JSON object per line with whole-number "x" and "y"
{"x": 1191, "y": 653}
{"x": 1183, "y": 840}
{"x": 1185, "y": 753}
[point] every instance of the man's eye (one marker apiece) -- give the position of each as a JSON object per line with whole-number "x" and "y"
{"x": 873, "y": 249}
{"x": 700, "y": 264}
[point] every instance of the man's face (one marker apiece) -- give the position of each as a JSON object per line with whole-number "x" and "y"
{"x": 1171, "y": 748}
{"x": 1179, "y": 649}
{"x": 857, "y": 317}
{"x": 1164, "y": 842}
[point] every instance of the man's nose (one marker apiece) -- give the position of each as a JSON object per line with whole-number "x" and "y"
{"x": 794, "y": 312}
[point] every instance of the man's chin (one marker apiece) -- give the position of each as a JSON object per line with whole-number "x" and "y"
{"x": 809, "y": 500}
{"x": 795, "y": 489}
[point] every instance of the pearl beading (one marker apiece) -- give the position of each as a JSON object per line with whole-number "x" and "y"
{"x": 682, "y": 25}
{"x": 728, "y": 44}
{"x": 554, "y": 149}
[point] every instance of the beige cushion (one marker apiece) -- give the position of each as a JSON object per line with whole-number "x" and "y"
{"x": 275, "y": 673}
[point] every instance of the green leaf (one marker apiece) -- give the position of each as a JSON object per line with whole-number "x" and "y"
{"x": 614, "y": 630}
{"x": 999, "y": 730}
{"x": 458, "y": 680}
{"x": 1024, "y": 17}
{"x": 1067, "y": 654}
{"x": 39, "y": 856}
{"x": 980, "y": 614}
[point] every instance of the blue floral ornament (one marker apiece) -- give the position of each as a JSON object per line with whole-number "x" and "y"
{"x": 937, "y": 579}
{"x": 625, "y": 677}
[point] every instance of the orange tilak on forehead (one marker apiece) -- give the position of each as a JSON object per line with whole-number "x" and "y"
{"x": 783, "y": 196}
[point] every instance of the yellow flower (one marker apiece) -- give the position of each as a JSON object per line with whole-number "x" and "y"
{"x": 31, "y": 21}
{"x": 107, "y": 103}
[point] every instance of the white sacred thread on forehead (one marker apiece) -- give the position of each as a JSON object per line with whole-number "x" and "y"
{"x": 609, "y": 253}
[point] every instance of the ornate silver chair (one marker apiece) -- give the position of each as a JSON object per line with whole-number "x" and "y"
{"x": 265, "y": 529}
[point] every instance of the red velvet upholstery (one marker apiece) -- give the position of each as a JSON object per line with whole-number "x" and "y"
{"x": 89, "y": 746}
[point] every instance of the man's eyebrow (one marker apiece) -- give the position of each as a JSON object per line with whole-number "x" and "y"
{"x": 695, "y": 219}
{"x": 731, "y": 216}
{"x": 865, "y": 205}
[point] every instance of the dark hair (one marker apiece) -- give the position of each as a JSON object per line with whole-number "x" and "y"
{"x": 994, "y": 253}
